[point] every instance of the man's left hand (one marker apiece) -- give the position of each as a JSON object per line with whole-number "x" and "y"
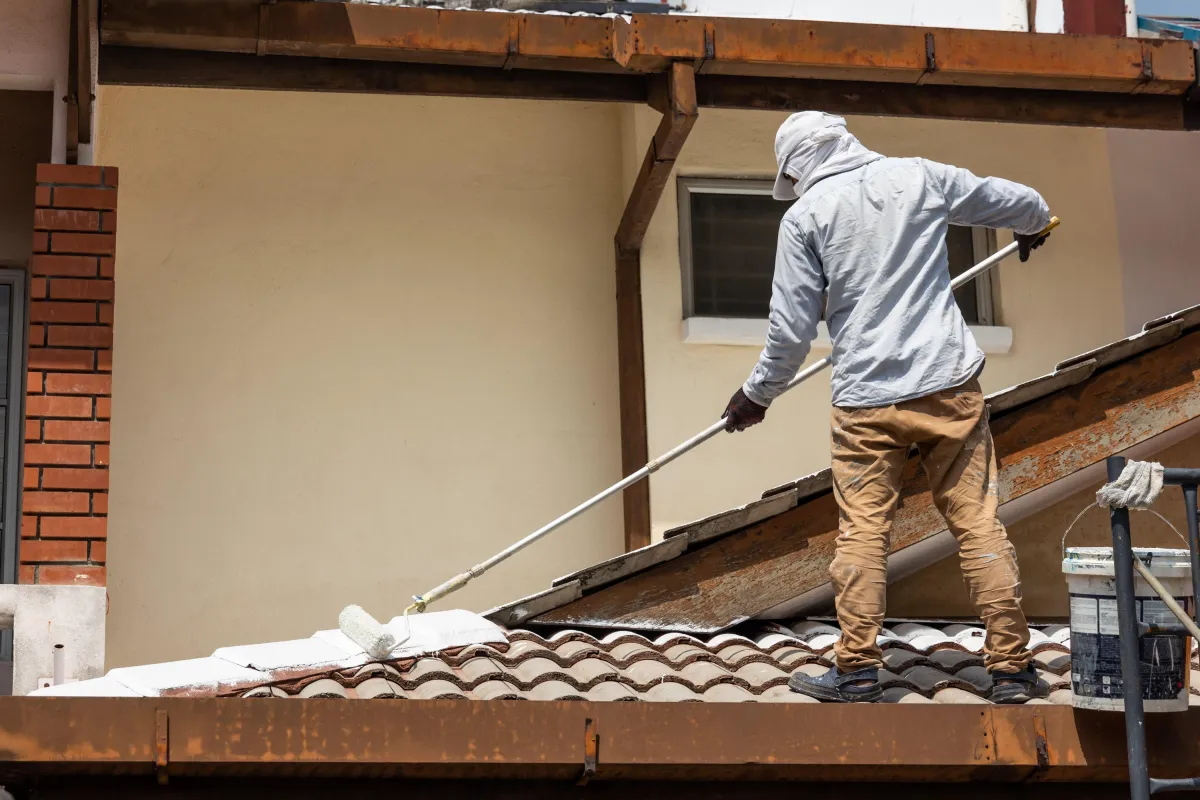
{"x": 742, "y": 412}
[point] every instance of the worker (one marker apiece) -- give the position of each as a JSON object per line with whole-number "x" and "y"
{"x": 867, "y": 235}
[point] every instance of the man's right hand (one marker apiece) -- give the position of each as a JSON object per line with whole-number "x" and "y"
{"x": 742, "y": 412}
{"x": 1028, "y": 242}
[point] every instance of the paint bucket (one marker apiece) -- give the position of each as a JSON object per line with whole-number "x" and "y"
{"x": 1096, "y": 642}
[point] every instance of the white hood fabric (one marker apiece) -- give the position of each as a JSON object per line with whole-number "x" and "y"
{"x": 812, "y": 145}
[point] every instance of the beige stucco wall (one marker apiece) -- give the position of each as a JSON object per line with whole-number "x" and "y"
{"x": 361, "y": 343}
{"x": 688, "y": 385}
{"x": 938, "y": 590}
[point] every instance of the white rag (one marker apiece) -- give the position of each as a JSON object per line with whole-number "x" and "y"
{"x": 1139, "y": 485}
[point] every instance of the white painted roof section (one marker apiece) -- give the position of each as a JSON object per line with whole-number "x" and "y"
{"x": 246, "y": 666}
{"x": 203, "y": 675}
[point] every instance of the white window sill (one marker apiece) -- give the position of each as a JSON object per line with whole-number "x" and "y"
{"x": 992, "y": 339}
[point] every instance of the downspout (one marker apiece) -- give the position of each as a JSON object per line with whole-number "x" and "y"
{"x": 676, "y": 99}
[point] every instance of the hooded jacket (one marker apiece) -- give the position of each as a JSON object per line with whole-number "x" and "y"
{"x": 870, "y": 232}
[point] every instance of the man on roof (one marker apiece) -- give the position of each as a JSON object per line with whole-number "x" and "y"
{"x": 866, "y": 234}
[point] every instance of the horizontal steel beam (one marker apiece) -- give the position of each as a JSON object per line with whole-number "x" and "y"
{"x": 1181, "y": 477}
{"x": 535, "y": 740}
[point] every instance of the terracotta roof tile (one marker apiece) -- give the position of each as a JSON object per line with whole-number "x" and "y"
{"x": 924, "y": 663}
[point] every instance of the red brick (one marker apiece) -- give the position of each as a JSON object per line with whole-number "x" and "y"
{"x": 106, "y": 270}
{"x": 50, "y": 406}
{"x": 29, "y": 526}
{"x": 41, "y": 242}
{"x": 56, "y": 502}
{"x": 104, "y": 360}
{"x": 69, "y": 173}
{"x": 74, "y": 527}
{"x": 57, "y": 219}
{"x": 101, "y": 244}
{"x": 59, "y": 454}
{"x": 103, "y": 408}
{"x": 41, "y": 196}
{"x": 33, "y": 382}
{"x": 33, "y": 430}
{"x": 110, "y": 176}
{"x": 98, "y": 199}
{"x": 60, "y": 575}
{"x": 37, "y": 336}
{"x": 27, "y": 575}
{"x": 80, "y": 336}
{"x": 108, "y": 221}
{"x": 78, "y": 383}
{"x": 101, "y": 455}
{"x": 61, "y": 431}
{"x": 38, "y": 550}
{"x": 48, "y": 358}
{"x": 37, "y": 288}
{"x": 62, "y": 312}
{"x": 31, "y": 478}
{"x": 106, "y": 312}
{"x": 81, "y": 289}
{"x": 74, "y": 478}
{"x": 98, "y": 552}
{"x": 100, "y": 503}
{"x": 70, "y": 266}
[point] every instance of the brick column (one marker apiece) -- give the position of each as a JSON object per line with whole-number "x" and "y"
{"x": 69, "y": 394}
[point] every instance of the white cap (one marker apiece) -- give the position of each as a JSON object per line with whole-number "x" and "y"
{"x": 792, "y": 134}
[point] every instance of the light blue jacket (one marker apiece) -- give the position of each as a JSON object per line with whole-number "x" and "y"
{"x": 874, "y": 238}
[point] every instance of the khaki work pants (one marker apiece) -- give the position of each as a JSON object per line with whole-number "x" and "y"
{"x": 870, "y": 447}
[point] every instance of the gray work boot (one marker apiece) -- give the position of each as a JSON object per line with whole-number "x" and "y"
{"x": 860, "y": 686}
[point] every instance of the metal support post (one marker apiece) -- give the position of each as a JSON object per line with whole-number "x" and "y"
{"x": 1193, "y": 522}
{"x": 1131, "y": 684}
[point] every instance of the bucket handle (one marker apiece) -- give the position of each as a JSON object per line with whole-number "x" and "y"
{"x": 1090, "y": 506}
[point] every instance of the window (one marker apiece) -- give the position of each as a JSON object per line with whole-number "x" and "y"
{"x": 727, "y": 233}
{"x": 12, "y": 421}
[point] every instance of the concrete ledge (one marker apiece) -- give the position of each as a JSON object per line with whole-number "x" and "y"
{"x": 44, "y": 616}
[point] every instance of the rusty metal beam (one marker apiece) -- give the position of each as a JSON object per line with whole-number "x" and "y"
{"x": 649, "y": 42}
{"x": 768, "y": 563}
{"x": 637, "y": 741}
{"x": 976, "y": 103}
{"x": 137, "y": 66}
{"x": 677, "y": 98}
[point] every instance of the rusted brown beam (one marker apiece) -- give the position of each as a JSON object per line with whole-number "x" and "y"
{"x": 768, "y": 563}
{"x": 984, "y": 104}
{"x": 649, "y": 42}
{"x": 646, "y": 741}
{"x": 138, "y": 66}
{"x": 677, "y": 97}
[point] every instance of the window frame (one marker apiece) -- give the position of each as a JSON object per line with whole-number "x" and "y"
{"x": 983, "y": 241}
{"x": 14, "y": 449}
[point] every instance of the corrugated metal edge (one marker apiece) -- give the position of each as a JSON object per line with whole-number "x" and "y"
{"x": 807, "y": 486}
{"x": 520, "y": 610}
{"x": 735, "y": 518}
{"x": 625, "y": 564}
{"x": 1155, "y": 333}
{"x": 1038, "y": 388}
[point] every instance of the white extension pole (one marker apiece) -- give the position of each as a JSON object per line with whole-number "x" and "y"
{"x": 461, "y": 580}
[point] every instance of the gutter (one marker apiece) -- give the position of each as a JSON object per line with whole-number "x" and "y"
{"x": 450, "y": 739}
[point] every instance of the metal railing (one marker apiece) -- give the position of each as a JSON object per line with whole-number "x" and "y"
{"x": 1141, "y": 785}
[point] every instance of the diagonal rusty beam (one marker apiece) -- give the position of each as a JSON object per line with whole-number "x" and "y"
{"x": 676, "y": 98}
{"x": 771, "y": 562}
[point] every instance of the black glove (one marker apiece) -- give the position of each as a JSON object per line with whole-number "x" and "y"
{"x": 742, "y": 412}
{"x": 1028, "y": 242}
